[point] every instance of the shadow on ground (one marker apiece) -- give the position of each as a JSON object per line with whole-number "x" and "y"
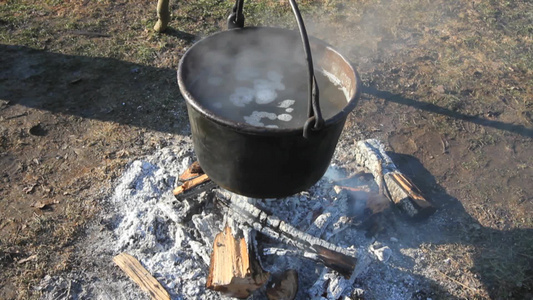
{"x": 117, "y": 91}
{"x": 92, "y": 87}
{"x": 500, "y": 257}
{"x": 432, "y": 108}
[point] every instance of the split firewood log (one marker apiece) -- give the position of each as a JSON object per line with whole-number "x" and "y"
{"x": 407, "y": 196}
{"x": 234, "y": 269}
{"x": 395, "y": 185}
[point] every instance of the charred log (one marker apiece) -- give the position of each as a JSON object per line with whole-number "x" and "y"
{"x": 337, "y": 258}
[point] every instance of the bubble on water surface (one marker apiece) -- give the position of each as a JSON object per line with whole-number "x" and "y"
{"x": 265, "y": 96}
{"x": 287, "y": 103}
{"x": 255, "y": 118}
{"x": 241, "y": 96}
{"x": 285, "y": 117}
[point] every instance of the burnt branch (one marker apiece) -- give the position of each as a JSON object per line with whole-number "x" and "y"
{"x": 337, "y": 258}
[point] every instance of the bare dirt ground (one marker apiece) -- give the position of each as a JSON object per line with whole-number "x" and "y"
{"x": 87, "y": 86}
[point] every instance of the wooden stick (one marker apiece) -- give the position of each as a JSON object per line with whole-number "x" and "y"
{"x": 352, "y": 189}
{"x": 163, "y": 15}
{"x": 193, "y": 171}
{"x": 191, "y": 184}
{"x": 133, "y": 268}
{"x": 27, "y": 259}
{"x": 195, "y": 181}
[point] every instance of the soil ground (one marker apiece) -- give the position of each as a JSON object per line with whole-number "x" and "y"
{"x": 86, "y": 86}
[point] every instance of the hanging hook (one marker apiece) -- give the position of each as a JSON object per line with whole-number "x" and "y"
{"x": 236, "y": 18}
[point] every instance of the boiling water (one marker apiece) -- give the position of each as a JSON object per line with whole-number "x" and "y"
{"x": 267, "y": 95}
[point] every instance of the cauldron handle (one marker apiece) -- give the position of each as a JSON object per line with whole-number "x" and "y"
{"x": 315, "y": 121}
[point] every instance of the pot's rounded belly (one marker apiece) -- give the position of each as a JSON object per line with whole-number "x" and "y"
{"x": 261, "y": 166}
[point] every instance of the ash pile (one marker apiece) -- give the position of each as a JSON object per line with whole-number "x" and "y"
{"x": 209, "y": 243}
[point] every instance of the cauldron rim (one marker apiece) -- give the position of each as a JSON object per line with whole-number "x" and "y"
{"x": 265, "y": 131}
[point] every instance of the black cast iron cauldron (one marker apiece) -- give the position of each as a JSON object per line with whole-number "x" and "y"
{"x": 257, "y": 161}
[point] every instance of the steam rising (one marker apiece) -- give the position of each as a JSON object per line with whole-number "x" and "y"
{"x": 265, "y": 96}
{"x": 261, "y": 80}
{"x": 241, "y": 96}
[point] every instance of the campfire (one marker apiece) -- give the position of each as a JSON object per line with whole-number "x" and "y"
{"x": 208, "y": 242}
